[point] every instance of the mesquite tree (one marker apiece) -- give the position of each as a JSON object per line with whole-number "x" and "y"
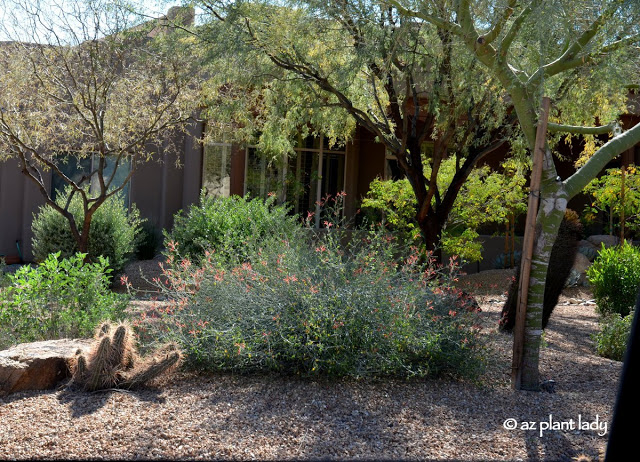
{"x": 278, "y": 68}
{"x": 81, "y": 82}
{"x": 584, "y": 55}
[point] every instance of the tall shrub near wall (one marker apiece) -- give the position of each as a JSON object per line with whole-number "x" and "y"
{"x": 227, "y": 225}
{"x": 113, "y": 234}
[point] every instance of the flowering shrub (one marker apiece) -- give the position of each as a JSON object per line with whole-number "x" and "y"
{"x": 320, "y": 309}
{"x": 58, "y": 298}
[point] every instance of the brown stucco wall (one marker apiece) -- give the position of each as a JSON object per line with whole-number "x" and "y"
{"x": 19, "y": 200}
{"x": 370, "y": 161}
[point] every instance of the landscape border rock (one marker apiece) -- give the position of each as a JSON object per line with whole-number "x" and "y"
{"x": 38, "y": 365}
{"x": 607, "y": 240}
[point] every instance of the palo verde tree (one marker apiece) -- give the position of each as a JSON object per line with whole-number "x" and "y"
{"x": 80, "y": 81}
{"x": 283, "y": 68}
{"x": 583, "y": 55}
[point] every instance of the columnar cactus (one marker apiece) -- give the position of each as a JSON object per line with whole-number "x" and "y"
{"x": 113, "y": 361}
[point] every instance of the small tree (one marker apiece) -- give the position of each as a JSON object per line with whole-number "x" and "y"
{"x": 485, "y": 197}
{"x": 81, "y": 83}
{"x": 583, "y": 55}
{"x": 607, "y": 197}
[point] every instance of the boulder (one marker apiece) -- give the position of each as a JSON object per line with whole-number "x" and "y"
{"x": 587, "y": 244}
{"x": 38, "y": 365}
{"x": 581, "y": 264}
{"x": 599, "y": 239}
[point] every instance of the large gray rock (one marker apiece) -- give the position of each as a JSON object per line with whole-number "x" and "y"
{"x": 587, "y": 244}
{"x": 578, "y": 273}
{"x": 38, "y": 365}
{"x": 608, "y": 241}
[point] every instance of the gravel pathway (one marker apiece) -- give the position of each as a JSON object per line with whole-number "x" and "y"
{"x": 221, "y": 416}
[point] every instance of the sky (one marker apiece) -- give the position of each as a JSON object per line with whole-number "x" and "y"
{"x": 13, "y": 23}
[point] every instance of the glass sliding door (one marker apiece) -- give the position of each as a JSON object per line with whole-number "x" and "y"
{"x": 303, "y": 180}
{"x": 216, "y": 170}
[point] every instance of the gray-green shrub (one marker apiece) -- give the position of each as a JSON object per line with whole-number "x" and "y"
{"x": 58, "y": 298}
{"x": 227, "y": 226}
{"x": 615, "y": 278}
{"x": 611, "y": 341}
{"x": 113, "y": 233}
{"x": 320, "y": 309}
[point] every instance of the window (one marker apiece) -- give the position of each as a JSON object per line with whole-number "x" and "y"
{"x": 316, "y": 170}
{"x": 216, "y": 170}
{"x": 75, "y": 168}
{"x": 263, "y": 176}
{"x": 392, "y": 170}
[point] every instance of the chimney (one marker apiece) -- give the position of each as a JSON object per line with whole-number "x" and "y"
{"x": 183, "y": 15}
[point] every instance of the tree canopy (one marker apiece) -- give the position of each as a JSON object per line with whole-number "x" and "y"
{"x": 83, "y": 83}
{"x": 318, "y": 67}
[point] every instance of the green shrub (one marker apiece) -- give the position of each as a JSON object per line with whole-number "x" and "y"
{"x": 611, "y": 341}
{"x": 227, "y": 226}
{"x": 320, "y": 309}
{"x": 113, "y": 233}
{"x": 615, "y": 278}
{"x": 486, "y": 197}
{"x": 58, "y": 298}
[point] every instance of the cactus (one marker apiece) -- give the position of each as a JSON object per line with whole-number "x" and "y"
{"x": 113, "y": 361}
{"x": 560, "y": 263}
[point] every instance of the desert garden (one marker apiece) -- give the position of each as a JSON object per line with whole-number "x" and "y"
{"x": 241, "y": 227}
{"x": 386, "y": 354}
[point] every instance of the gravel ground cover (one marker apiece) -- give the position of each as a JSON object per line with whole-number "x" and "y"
{"x": 222, "y": 416}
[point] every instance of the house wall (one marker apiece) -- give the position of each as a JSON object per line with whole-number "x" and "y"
{"x": 19, "y": 199}
{"x": 370, "y": 161}
{"x": 159, "y": 189}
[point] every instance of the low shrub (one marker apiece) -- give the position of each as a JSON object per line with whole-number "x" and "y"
{"x": 615, "y": 278}
{"x": 611, "y": 341}
{"x": 58, "y": 298}
{"x": 324, "y": 309}
{"x": 113, "y": 233}
{"x": 227, "y": 225}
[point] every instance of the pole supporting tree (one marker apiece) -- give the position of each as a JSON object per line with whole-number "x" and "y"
{"x": 527, "y": 249}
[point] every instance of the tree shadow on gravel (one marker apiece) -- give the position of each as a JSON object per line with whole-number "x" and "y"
{"x": 561, "y": 450}
{"x": 86, "y": 403}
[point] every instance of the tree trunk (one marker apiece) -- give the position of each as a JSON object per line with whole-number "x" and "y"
{"x": 431, "y": 230}
{"x": 552, "y": 207}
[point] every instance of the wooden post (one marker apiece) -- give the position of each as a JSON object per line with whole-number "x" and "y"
{"x": 622, "y": 204}
{"x": 527, "y": 245}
